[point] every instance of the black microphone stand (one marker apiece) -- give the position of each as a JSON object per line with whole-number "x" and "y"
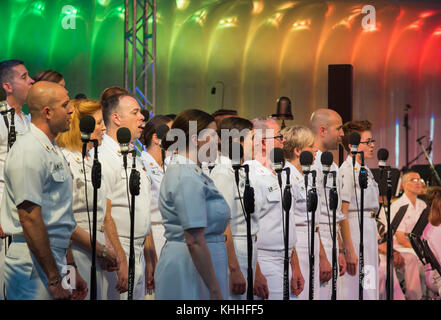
{"x": 96, "y": 182}
{"x": 286, "y": 203}
{"x": 390, "y": 265}
{"x": 249, "y": 208}
{"x": 311, "y": 202}
{"x": 333, "y": 203}
{"x": 134, "y": 183}
{"x": 362, "y": 181}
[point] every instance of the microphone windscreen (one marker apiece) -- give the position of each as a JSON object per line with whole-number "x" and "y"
{"x": 235, "y": 152}
{"x": 306, "y": 158}
{"x": 382, "y": 154}
{"x": 277, "y": 155}
{"x": 2, "y": 94}
{"x": 80, "y": 96}
{"x": 161, "y": 131}
{"x": 354, "y": 138}
{"x": 123, "y": 135}
{"x": 87, "y": 124}
{"x": 327, "y": 158}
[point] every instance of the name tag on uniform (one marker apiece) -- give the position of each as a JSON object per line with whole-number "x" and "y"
{"x": 273, "y": 187}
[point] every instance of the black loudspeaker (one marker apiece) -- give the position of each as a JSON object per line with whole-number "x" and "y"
{"x": 340, "y": 93}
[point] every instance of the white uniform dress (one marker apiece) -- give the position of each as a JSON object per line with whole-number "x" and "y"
{"x": 114, "y": 179}
{"x": 189, "y": 199}
{"x": 43, "y": 179}
{"x": 156, "y": 173}
{"x": 224, "y": 179}
{"x": 21, "y": 127}
{"x": 83, "y": 258}
{"x": 326, "y": 219}
{"x": 303, "y": 221}
{"x": 270, "y": 238}
{"x": 414, "y": 273}
{"x": 351, "y": 283}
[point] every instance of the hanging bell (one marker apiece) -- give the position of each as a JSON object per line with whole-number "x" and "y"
{"x": 283, "y": 111}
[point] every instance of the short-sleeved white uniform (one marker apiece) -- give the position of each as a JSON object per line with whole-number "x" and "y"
{"x": 45, "y": 180}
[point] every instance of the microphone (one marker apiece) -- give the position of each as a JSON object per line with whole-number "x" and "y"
{"x": 277, "y": 158}
{"x": 382, "y": 156}
{"x": 235, "y": 153}
{"x": 306, "y": 159}
{"x": 354, "y": 141}
{"x": 161, "y": 132}
{"x": 327, "y": 158}
{"x": 124, "y": 136}
{"x": 87, "y": 126}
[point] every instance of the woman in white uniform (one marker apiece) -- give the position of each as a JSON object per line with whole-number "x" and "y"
{"x": 350, "y": 206}
{"x": 153, "y": 162}
{"x": 224, "y": 178}
{"x": 71, "y": 144}
{"x": 193, "y": 261}
{"x": 297, "y": 140}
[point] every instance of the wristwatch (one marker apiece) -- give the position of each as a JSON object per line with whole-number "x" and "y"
{"x": 342, "y": 251}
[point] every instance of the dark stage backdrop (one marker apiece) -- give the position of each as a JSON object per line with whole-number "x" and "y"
{"x": 260, "y": 49}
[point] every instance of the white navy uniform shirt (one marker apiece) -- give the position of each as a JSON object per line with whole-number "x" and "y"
{"x": 21, "y": 127}
{"x": 347, "y": 194}
{"x": 156, "y": 173}
{"x": 298, "y": 208}
{"x": 326, "y": 214}
{"x": 409, "y": 220}
{"x": 114, "y": 178}
{"x": 75, "y": 161}
{"x": 43, "y": 178}
{"x": 268, "y": 207}
{"x": 224, "y": 179}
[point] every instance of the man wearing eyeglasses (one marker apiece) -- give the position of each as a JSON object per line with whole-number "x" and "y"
{"x": 414, "y": 275}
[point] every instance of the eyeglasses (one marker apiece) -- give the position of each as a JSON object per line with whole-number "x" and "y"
{"x": 417, "y": 180}
{"x": 368, "y": 141}
{"x": 280, "y": 137}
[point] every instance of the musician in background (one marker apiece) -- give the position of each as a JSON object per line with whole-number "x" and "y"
{"x": 414, "y": 275}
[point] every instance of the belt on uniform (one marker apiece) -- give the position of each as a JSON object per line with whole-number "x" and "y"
{"x": 245, "y": 237}
{"x": 367, "y": 214}
{"x": 303, "y": 228}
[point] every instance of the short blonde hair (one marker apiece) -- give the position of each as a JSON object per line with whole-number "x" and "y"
{"x": 298, "y": 137}
{"x": 72, "y": 139}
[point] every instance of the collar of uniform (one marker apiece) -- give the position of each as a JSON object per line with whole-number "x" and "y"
{"x": 76, "y": 155}
{"x": 420, "y": 205}
{"x": 23, "y": 115}
{"x": 180, "y": 159}
{"x": 357, "y": 165}
{"x": 112, "y": 144}
{"x": 149, "y": 159}
{"x": 41, "y": 137}
{"x": 224, "y": 160}
{"x": 294, "y": 172}
{"x": 258, "y": 167}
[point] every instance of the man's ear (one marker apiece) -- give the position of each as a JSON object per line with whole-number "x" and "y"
{"x": 7, "y": 87}
{"x": 47, "y": 112}
{"x": 115, "y": 119}
{"x": 322, "y": 131}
